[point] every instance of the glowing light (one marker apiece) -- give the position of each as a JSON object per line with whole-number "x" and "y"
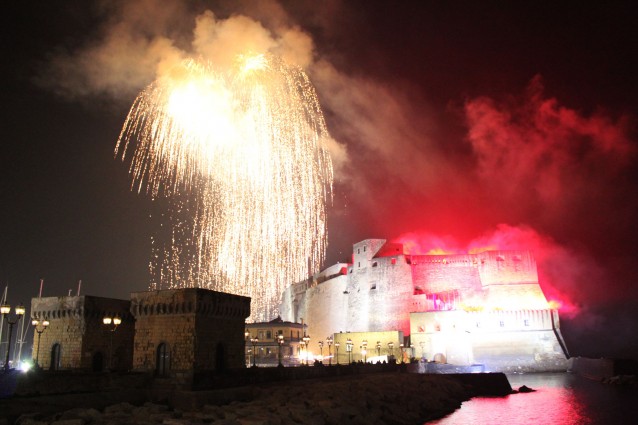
{"x": 240, "y": 156}
{"x": 25, "y": 366}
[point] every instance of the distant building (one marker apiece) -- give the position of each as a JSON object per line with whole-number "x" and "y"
{"x": 486, "y": 307}
{"x": 264, "y": 339}
{"x": 76, "y": 337}
{"x": 370, "y": 347}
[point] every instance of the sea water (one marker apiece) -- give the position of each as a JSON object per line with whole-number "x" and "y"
{"x": 560, "y": 398}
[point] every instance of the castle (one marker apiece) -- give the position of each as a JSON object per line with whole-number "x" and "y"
{"x": 485, "y": 308}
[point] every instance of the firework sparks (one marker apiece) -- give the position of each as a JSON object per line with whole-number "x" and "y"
{"x": 240, "y": 156}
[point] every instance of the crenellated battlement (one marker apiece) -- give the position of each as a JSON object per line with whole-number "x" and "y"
{"x": 195, "y": 301}
{"x": 79, "y": 307}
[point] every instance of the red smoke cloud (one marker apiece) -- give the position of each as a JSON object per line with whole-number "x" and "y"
{"x": 538, "y": 157}
{"x": 556, "y": 176}
{"x": 560, "y": 270}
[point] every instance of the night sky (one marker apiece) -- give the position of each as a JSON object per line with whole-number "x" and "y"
{"x": 456, "y": 125}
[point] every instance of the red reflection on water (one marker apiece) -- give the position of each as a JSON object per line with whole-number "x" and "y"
{"x": 545, "y": 406}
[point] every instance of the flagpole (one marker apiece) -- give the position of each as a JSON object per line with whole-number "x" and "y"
{"x": 4, "y": 301}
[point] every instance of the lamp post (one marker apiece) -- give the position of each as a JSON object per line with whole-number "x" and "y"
{"x": 349, "y": 350}
{"x": 378, "y": 348}
{"x": 280, "y": 341}
{"x": 39, "y": 326}
{"x": 391, "y": 348}
{"x": 329, "y": 341}
{"x": 337, "y": 345}
{"x": 246, "y": 335}
{"x": 5, "y": 309}
{"x": 306, "y": 341}
{"x": 254, "y": 342}
{"x": 413, "y": 353}
{"x": 364, "y": 351}
{"x": 401, "y": 346}
{"x": 112, "y": 323}
{"x": 321, "y": 350}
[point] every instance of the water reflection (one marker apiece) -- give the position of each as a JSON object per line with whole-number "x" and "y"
{"x": 559, "y": 399}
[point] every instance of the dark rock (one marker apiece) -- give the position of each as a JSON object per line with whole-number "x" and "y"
{"x": 525, "y": 389}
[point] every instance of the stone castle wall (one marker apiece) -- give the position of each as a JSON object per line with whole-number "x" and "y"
{"x": 76, "y": 327}
{"x": 201, "y": 329}
{"x": 440, "y": 273}
{"x": 381, "y": 292}
{"x": 508, "y": 341}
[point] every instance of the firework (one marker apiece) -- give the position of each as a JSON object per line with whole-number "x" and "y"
{"x": 240, "y": 157}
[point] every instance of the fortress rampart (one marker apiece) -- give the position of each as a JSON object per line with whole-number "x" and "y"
{"x": 379, "y": 290}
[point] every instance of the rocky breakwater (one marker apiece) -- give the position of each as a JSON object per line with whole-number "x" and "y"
{"x": 392, "y": 398}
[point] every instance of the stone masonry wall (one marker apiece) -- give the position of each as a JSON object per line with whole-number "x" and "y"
{"x": 76, "y": 325}
{"x": 440, "y": 273}
{"x": 202, "y": 329}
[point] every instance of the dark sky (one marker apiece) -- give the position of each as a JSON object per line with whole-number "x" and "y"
{"x": 460, "y": 125}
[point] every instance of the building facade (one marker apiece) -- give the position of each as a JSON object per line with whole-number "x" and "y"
{"x": 269, "y": 342}
{"x": 180, "y": 331}
{"x": 77, "y": 338}
{"x": 382, "y": 286}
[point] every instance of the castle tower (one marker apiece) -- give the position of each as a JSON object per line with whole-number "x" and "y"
{"x": 76, "y": 337}
{"x": 181, "y": 331}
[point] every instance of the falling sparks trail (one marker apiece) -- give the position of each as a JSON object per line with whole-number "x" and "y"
{"x": 240, "y": 156}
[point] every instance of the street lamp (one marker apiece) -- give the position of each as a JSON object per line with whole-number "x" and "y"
{"x": 329, "y": 341}
{"x": 378, "y": 348}
{"x": 321, "y": 350}
{"x": 39, "y": 326}
{"x": 246, "y": 335}
{"x": 306, "y": 341}
{"x": 5, "y": 309}
{"x": 337, "y": 345}
{"x": 254, "y": 341}
{"x": 280, "y": 341}
{"x": 364, "y": 344}
{"x": 112, "y": 323}
{"x": 349, "y": 350}
{"x": 391, "y": 348}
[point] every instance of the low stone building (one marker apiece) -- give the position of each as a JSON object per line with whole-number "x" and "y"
{"x": 509, "y": 341}
{"x": 181, "y": 331}
{"x": 77, "y": 338}
{"x": 369, "y": 347}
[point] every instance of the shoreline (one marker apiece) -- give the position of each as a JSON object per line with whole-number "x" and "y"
{"x": 382, "y": 398}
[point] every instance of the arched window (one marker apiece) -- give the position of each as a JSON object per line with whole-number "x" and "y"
{"x": 97, "y": 362}
{"x": 162, "y": 360}
{"x": 220, "y": 358}
{"x": 55, "y": 357}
